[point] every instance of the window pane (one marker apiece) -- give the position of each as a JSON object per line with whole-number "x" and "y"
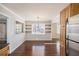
{"x": 38, "y": 28}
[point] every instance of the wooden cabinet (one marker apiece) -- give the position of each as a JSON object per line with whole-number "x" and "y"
{"x": 4, "y": 51}
{"x": 74, "y": 9}
{"x": 62, "y": 16}
{"x": 62, "y": 32}
{"x": 62, "y": 50}
{"x": 71, "y": 10}
{"x": 67, "y": 12}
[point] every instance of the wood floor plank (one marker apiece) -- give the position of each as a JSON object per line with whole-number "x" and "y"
{"x": 36, "y": 48}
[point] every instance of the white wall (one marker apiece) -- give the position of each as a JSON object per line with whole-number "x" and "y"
{"x": 13, "y": 39}
{"x": 56, "y": 27}
{"x": 46, "y": 36}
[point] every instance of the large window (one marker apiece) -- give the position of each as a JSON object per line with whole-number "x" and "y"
{"x": 38, "y": 28}
{"x": 19, "y": 27}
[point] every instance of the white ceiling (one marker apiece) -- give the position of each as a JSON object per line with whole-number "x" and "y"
{"x": 30, "y": 11}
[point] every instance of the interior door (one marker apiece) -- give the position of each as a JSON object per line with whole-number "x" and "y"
{"x": 2, "y": 31}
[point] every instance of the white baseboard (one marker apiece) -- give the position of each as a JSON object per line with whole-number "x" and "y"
{"x": 38, "y": 39}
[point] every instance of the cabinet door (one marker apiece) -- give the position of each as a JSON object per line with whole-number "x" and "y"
{"x": 62, "y": 41}
{"x": 4, "y": 51}
{"x": 74, "y": 9}
{"x": 62, "y": 32}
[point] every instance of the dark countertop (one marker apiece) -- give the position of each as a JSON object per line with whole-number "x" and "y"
{"x": 3, "y": 45}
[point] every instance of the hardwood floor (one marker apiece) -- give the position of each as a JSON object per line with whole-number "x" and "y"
{"x": 37, "y": 48}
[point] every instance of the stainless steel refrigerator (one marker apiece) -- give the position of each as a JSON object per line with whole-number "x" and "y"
{"x": 72, "y": 36}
